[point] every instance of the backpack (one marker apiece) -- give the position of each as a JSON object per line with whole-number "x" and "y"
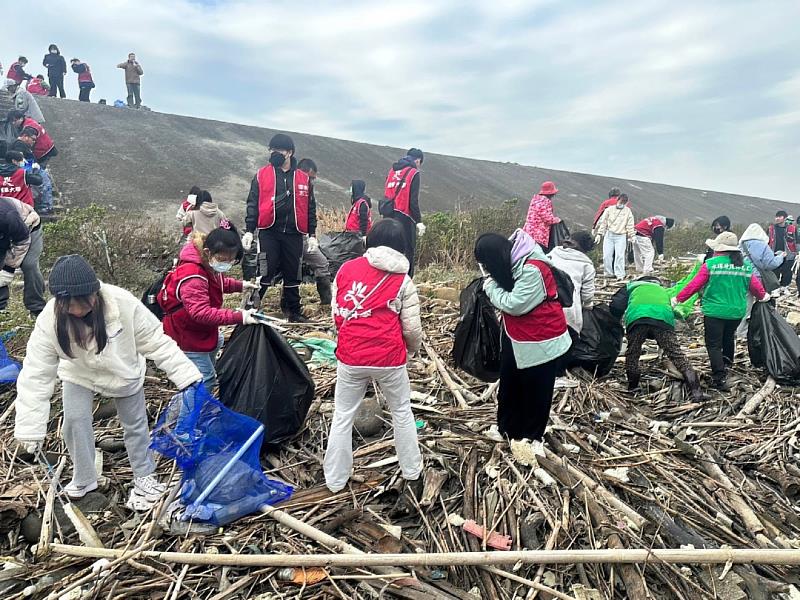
{"x": 152, "y": 293}
{"x": 564, "y": 286}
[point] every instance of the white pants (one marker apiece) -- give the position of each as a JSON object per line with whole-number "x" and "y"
{"x": 351, "y": 384}
{"x": 614, "y": 246}
{"x": 643, "y": 254}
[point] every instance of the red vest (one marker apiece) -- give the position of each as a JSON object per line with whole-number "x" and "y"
{"x": 14, "y": 186}
{"x": 190, "y": 335}
{"x": 370, "y": 333}
{"x": 353, "y": 223}
{"x": 266, "y": 198}
{"x": 546, "y": 321}
{"x": 13, "y": 73}
{"x": 402, "y": 198}
{"x": 44, "y": 143}
{"x": 86, "y": 76}
{"x": 645, "y": 227}
{"x": 790, "y": 236}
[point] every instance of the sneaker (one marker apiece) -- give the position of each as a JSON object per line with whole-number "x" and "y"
{"x": 148, "y": 488}
{"x": 75, "y": 491}
{"x": 298, "y": 318}
{"x": 565, "y": 383}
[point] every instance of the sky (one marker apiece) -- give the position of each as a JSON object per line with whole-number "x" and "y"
{"x": 703, "y": 94}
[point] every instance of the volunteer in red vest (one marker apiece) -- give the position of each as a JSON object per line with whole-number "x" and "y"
{"x": 313, "y": 258}
{"x": 44, "y": 148}
{"x": 783, "y": 240}
{"x": 402, "y": 188}
{"x": 16, "y": 71}
{"x": 649, "y": 231}
{"x": 192, "y": 297}
{"x": 376, "y": 314}
{"x": 281, "y": 209}
{"x": 15, "y": 182}
{"x": 359, "y": 219}
{"x": 520, "y": 284}
{"x": 611, "y": 201}
{"x": 38, "y": 87}
{"x": 85, "y": 81}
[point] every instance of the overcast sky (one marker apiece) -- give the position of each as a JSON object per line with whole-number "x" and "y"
{"x": 702, "y": 94}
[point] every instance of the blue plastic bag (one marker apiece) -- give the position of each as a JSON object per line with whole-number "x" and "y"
{"x": 9, "y": 369}
{"x": 203, "y": 437}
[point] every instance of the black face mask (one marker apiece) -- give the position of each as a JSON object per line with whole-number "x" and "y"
{"x": 276, "y": 159}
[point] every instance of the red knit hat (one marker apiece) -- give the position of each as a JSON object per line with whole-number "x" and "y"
{"x": 548, "y": 189}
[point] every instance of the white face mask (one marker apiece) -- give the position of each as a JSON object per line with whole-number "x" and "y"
{"x": 221, "y": 267}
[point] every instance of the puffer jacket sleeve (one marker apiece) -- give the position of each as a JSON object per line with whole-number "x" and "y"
{"x": 337, "y": 320}
{"x": 155, "y": 345}
{"x": 587, "y": 285}
{"x": 763, "y": 256}
{"x": 195, "y": 299}
{"x": 409, "y": 316}
{"x": 602, "y": 223}
{"x": 528, "y": 293}
{"x": 36, "y": 383}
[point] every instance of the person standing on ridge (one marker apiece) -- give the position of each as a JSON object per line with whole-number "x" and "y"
{"x": 649, "y": 231}
{"x": 56, "y": 69}
{"x": 133, "y": 80}
{"x": 401, "y": 193}
{"x": 16, "y": 72}
{"x": 281, "y": 209}
{"x": 540, "y": 215}
{"x": 359, "y": 219}
{"x": 85, "y": 81}
{"x": 616, "y": 226}
{"x": 783, "y": 239}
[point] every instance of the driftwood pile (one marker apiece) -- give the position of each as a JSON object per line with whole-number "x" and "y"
{"x": 622, "y": 473}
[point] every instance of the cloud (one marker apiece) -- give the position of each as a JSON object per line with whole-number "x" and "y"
{"x": 703, "y": 96}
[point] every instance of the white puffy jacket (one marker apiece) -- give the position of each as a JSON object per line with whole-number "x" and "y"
{"x": 134, "y": 334}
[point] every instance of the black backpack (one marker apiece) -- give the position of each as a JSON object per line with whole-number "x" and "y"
{"x": 564, "y": 286}
{"x": 150, "y": 296}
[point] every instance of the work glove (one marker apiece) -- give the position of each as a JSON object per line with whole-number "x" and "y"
{"x": 247, "y": 241}
{"x": 30, "y": 447}
{"x": 5, "y": 278}
{"x": 313, "y": 244}
{"x": 248, "y": 286}
{"x": 420, "y": 229}
{"x": 598, "y": 238}
{"x": 248, "y": 318}
{"x": 765, "y": 298}
{"x": 673, "y": 301}
{"x": 35, "y": 166}
{"x": 364, "y": 239}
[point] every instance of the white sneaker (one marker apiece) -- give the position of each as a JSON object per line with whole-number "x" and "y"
{"x": 523, "y": 452}
{"x": 148, "y": 488}
{"x": 538, "y": 448}
{"x": 79, "y": 491}
{"x": 565, "y": 383}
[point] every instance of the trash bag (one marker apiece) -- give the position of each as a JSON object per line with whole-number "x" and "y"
{"x": 260, "y": 375}
{"x": 9, "y": 369}
{"x": 338, "y": 248}
{"x": 476, "y": 348}
{"x": 558, "y": 233}
{"x": 204, "y": 438}
{"x": 685, "y": 308}
{"x": 773, "y": 343}
{"x": 599, "y": 343}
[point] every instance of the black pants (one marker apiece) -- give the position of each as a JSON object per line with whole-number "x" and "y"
{"x": 524, "y": 396}
{"x": 410, "y": 229}
{"x": 720, "y": 337}
{"x": 83, "y": 95}
{"x": 784, "y": 272}
{"x": 281, "y": 253}
{"x": 57, "y": 83}
{"x": 666, "y": 340}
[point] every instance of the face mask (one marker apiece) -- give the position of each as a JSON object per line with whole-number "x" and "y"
{"x": 276, "y": 159}
{"x": 221, "y": 267}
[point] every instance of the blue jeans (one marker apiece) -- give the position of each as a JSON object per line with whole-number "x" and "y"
{"x": 614, "y": 246}
{"x": 206, "y": 363}
{"x": 45, "y": 204}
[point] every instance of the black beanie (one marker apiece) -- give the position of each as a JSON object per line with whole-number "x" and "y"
{"x": 72, "y": 276}
{"x": 416, "y": 153}
{"x": 281, "y": 141}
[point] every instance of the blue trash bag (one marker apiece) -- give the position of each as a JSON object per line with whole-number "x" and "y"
{"x": 120, "y": 104}
{"x": 9, "y": 369}
{"x": 203, "y": 437}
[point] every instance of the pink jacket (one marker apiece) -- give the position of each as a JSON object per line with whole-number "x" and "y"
{"x": 540, "y": 218}
{"x": 701, "y": 279}
{"x": 196, "y": 296}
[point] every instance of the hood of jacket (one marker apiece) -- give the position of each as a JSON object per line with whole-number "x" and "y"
{"x": 522, "y": 245}
{"x": 192, "y": 250}
{"x": 562, "y": 253}
{"x": 754, "y": 231}
{"x": 387, "y": 259}
{"x": 208, "y": 209}
{"x": 359, "y": 188}
{"x": 404, "y": 162}
{"x": 7, "y": 169}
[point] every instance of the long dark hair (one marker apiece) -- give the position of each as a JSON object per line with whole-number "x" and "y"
{"x": 493, "y": 251}
{"x": 737, "y": 260}
{"x": 202, "y": 197}
{"x": 72, "y": 329}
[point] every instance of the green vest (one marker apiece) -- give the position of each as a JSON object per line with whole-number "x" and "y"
{"x": 648, "y": 300}
{"x": 725, "y": 294}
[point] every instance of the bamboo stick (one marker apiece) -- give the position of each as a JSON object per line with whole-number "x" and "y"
{"x": 757, "y": 398}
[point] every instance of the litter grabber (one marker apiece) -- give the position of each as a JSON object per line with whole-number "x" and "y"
{"x": 86, "y": 532}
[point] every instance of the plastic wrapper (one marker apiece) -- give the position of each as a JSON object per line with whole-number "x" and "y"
{"x": 260, "y": 375}
{"x": 773, "y": 344}
{"x": 684, "y": 309}
{"x": 476, "y": 348}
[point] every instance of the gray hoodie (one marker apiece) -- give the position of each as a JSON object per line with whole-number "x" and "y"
{"x": 205, "y": 219}
{"x": 581, "y": 270}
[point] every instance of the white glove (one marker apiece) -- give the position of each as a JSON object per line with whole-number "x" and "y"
{"x": 313, "y": 244}
{"x": 598, "y": 238}
{"x": 766, "y": 298}
{"x": 191, "y": 199}
{"x": 673, "y": 301}
{"x": 5, "y": 278}
{"x": 246, "y": 285}
{"x": 364, "y": 239}
{"x": 420, "y": 229}
{"x": 247, "y": 241}
{"x": 35, "y": 166}
{"x": 30, "y": 447}
{"x": 248, "y": 318}
{"x": 660, "y": 258}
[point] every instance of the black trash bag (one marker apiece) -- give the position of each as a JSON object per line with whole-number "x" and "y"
{"x": 599, "y": 343}
{"x": 260, "y": 375}
{"x": 476, "y": 348}
{"x": 773, "y": 343}
{"x": 558, "y": 233}
{"x": 338, "y": 248}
